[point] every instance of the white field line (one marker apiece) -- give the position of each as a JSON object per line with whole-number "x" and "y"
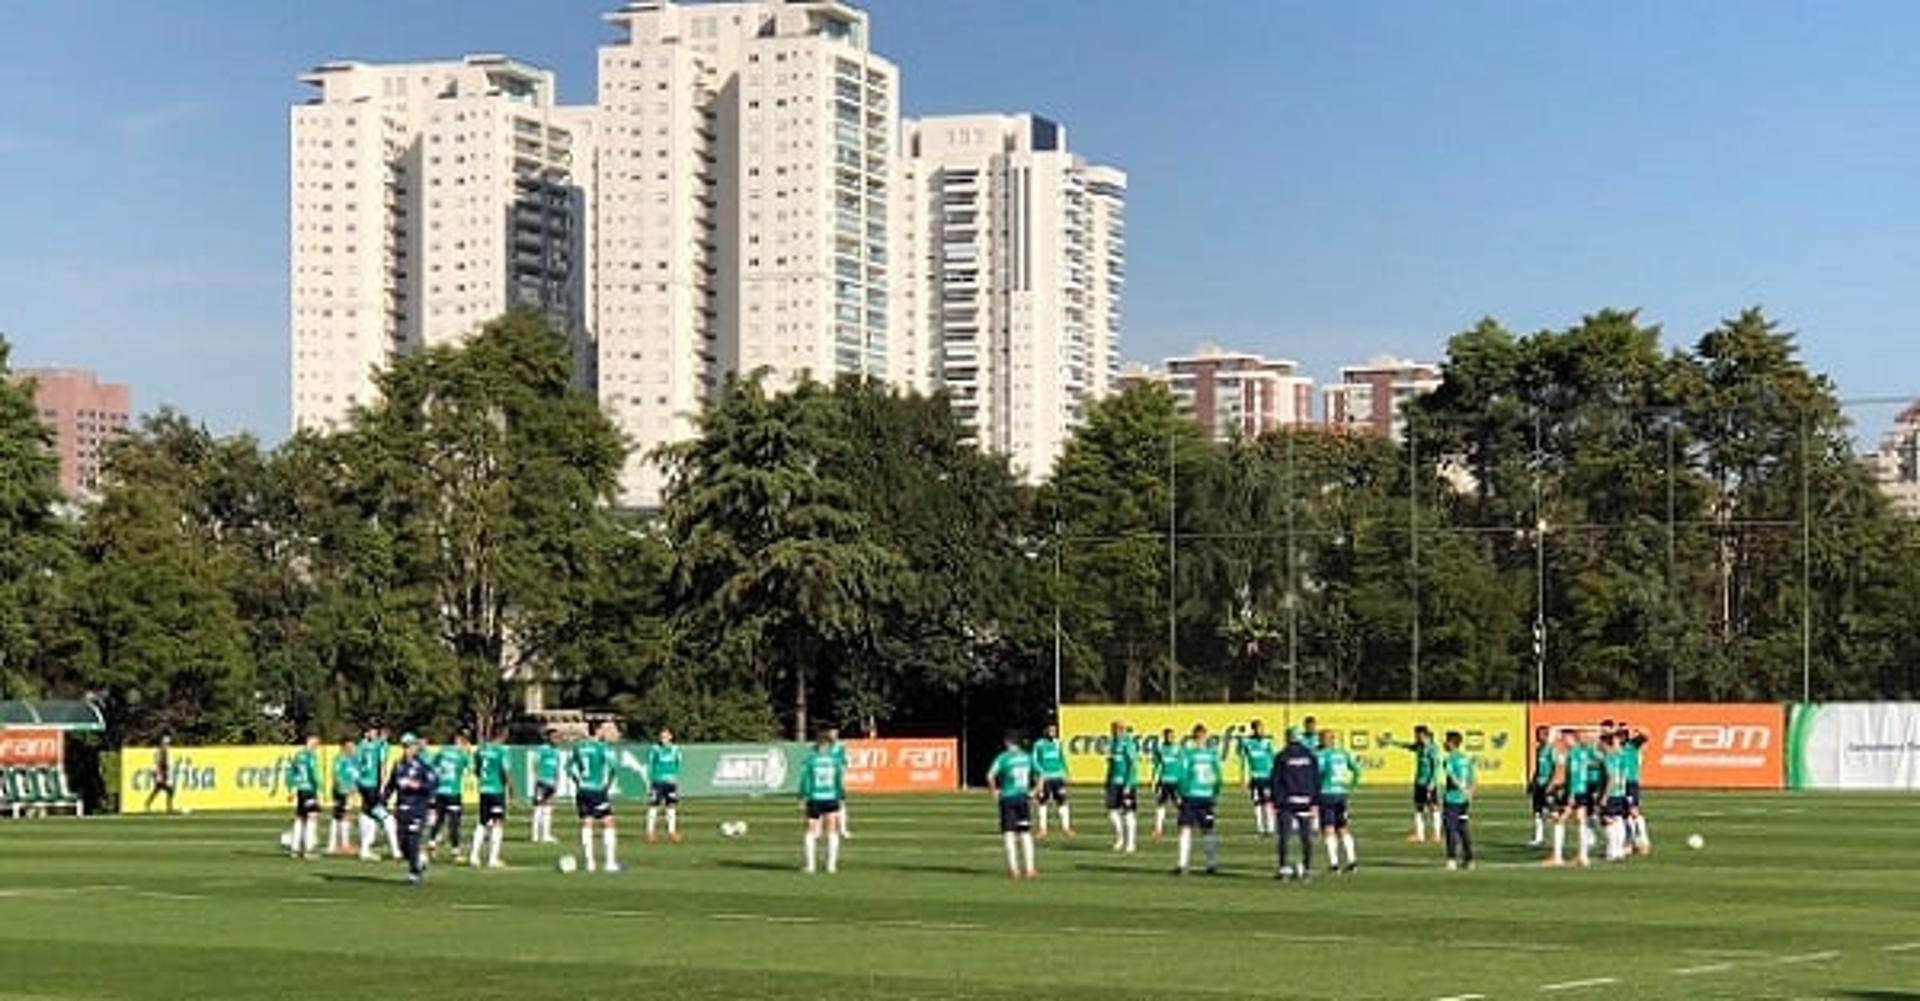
{"x": 1462, "y": 997}
{"x": 158, "y": 895}
{"x": 313, "y": 900}
{"x": 1694, "y": 971}
{"x": 479, "y": 907}
{"x": 1809, "y": 957}
{"x": 1902, "y": 947}
{"x": 1574, "y": 985}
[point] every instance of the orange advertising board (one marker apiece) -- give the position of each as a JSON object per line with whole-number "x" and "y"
{"x": 30, "y": 747}
{"x": 1689, "y": 745}
{"x": 903, "y": 765}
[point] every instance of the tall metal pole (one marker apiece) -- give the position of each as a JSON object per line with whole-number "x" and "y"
{"x": 1173, "y": 651}
{"x": 1293, "y": 579}
{"x": 1059, "y": 544}
{"x": 1806, "y": 559}
{"x": 1413, "y": 550}
{"x": 1673, "y": 655}
{"x": 1539, "y": 571}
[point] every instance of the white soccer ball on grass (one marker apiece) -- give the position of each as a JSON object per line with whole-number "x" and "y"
{"x": 733, "y": 829}
{"x": 567, "y": 863}
{"x": 1696, "y": 842}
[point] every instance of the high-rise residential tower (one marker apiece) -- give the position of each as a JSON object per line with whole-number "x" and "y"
{"x": 1368, "y": 398}
{"x": 1018, "y": 261}
{"x": 86, "y": 415}
{"x": 427, "y": 199}
{"x": 747, "y": 209}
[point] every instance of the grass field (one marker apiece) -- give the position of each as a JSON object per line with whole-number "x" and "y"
{"x": 1794, "y": 896}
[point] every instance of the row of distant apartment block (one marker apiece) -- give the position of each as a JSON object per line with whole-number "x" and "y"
{"x": 742, "y": 196}
{"x": 1240, "y": 394}
{"x": 85, "y": 415}
{"x": 1896, "y": 465}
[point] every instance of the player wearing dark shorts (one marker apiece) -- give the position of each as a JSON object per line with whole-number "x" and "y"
{"x": 823, "y": 778}
{"x": 162, "y": 773}
{"x": 303, "y": 777}
{"x": 1199, "y": 791}
{"x": 1011, "y": 779}
{"x": 663, "y": 785}
{"x": 412, "y": 784}
{"x": 1123, "y": 782}
{"x": 546, "y": 782}
{"x": 1050, "y": 764}
{"x": 1540, "y": 787}
{"x": 1461, "y": 779}
{"x": 1296, "y": 782}
{"x": 1339, "y": 775}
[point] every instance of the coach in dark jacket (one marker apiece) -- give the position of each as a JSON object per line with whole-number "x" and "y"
{"x": 1296, "y": 788}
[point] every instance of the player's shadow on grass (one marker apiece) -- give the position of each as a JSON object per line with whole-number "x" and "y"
{"x": 757, "y": 865}
{"x": 365, "y": 880}
{"x": 1875, "y": 995}
{"x": 1229, "y": 872}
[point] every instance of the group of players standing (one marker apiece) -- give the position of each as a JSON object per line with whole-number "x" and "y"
{"x": 1297, "y": 788}
{"x": 1591, "y": 777}
{"x": 425, "y": 788}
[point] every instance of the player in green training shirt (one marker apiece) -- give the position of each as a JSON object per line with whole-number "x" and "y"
{"x": 346, "y": 779}
{"x": 449, "y": 805}
{"x": 1169, "y": 770}
{"x": 591, "y": 768}
{"x": 1050, "y": 763}
{"x": 1576, "y": 802}
{"x": 1199, "y": 791}
{"x": 303, "y": 779}
{"x": 1256, "y": 763}
{"x": 490, "y": 775}
{"x": 373, "y": 801}
{"x": 823, "y": 779}
{"x": 840, "y": 755}
{"x": 1613, "y": 810}
{"x": 1339, "y": 776}
{"x": 546, "y": 784}
{"x": 1540, "y": 787}
{"x": 1426, "y": 784}
{"x": 1011, "y": 780}
{"x": 1457, "y": 802}
{"x": 1631, "y": 741}
{"x": 663, "y": 785}
{"x": 1123, "y": 781}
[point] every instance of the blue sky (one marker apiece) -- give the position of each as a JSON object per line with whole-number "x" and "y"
{"x": 1322, "y": 181}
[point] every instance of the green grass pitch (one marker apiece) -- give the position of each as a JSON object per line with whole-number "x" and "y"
{"x": 1794, "y": 896}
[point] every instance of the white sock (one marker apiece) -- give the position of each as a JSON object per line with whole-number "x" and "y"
{"x": 1641, "y": 834}
{"x": 609, "y": 840}
{"x": 1560, "y": 842}
{"x": 1026, "y": 846}
{"x": 586, "y": 844}
{"x": 842, "y": 830}
{"x": 366, "y": 835}
{"x": 1043, "y": 818}
{"x": 1333, "y": 850}
{"x": 393, "y": 835}
{"x": 833, "y": 851}
{"x": 1420, "y": 824}
{"x": 1586, "y": 842}
{"x": 312, "y": 840}
{"x": 1119, "y": 831}
{"x": 479, "y": 843}
{"x": 1186, "y": 847}
{"x": 811, "y": 841}
{"x": 673, "y": 821}
{"x": 1539, "y": 828}
{"x": 653, "y": 815}
{"x": 1346, "y": 841}
{"x": 1159, "y": 821}
{"x": 1133, "y": 831}
{"x": 1012, "y": 845}
{"x": 1066, "y": 821}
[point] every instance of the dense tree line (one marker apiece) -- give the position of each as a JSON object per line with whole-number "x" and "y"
{"x": 840, "y": 553}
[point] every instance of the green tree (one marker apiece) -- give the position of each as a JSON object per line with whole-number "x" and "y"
{"x": 35, "y": 545}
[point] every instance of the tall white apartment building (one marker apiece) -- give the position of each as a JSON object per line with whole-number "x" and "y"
{"x": 1018, "y": 262}
{"x": 1368, "y": 398}
{"x": 428, "y": 198}
{"x": 747, "y": 209}
{"x": 1897, "y": 463}
{"x": 1241, "y": 394}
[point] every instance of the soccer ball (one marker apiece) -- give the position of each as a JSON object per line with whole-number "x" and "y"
{"x": 733, "y": 829}
{"x": 567, "y": 864}
{"x": 1696, "y": 842}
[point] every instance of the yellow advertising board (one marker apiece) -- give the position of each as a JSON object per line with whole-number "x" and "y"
{"x": 216, "y": 778}
{"x": 1494, "y": 733}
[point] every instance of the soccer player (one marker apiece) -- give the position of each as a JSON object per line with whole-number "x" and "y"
{"x": 1011, "y": 780}
{"x": 1426, "y": 784}
{"x": 1613, "y": 810}
{"x": 1541, "y": 787}
{"x": 412, "y": 786}
{"x": 1199, "y": 790}
{"x": 1339, "y": 776}
{"x": 840, "y": 755}
{"x": 1457, "y": 802}
{"x": 591, "y": 767}
{"x": 490, "y": 772}
{"x": 449, "y": 805}
{"x": 1296, "y": 787}
{"x": 1256, "y": 761}
{"x": 1123, "y": 780}
{"x": 663, "y": 785}
{"x": 1577, "y": 801}
{"x": 346, "y": 778}
{"x": 1050, "y": 762}
{"x": 162, "y": 773}
{"x": 546, "y": 782}
{"x": 1310, "y": 735}
{"x": 1633, "y": 741}
{"x": 823, "y": 777}
{"x": 303, "y": 778}
{"x": 373, "y": 805}
{"x": 1169, "y": 769}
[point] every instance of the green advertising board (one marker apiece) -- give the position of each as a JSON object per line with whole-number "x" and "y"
{"x": 706, "y": 770}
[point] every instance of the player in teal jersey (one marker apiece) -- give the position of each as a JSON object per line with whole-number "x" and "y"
{"x": 490, "y": 774}
{"x": 303, "y": 780}
{"x": 1199, "y": 791}
{"x": 1255, "y": 751}
{"x": 1339, "y": 776}
{"x": 840, "y": 755}
{"x": 1011, "y": 779}
{"x": 1310, "y": 734}
{"x": 591, "y": 768}
{"x": 1540, "y": 787}
{"x": 1050, "y": 764}
{"x": 663, "y": 785}
{"x": 374, "y": 815}
{"x": 546, "y": 784}
{"x": 1613, "y": 810}
{"x": 1426, "y": 784}
{"x": 1169, "y": 769}
{"x": 346, "y": 779}
{"x": 823, "y": 788}
{"x": 1578, "y": 803}
{"x": 1457, "y": 802}
{"x": 1632, "y": 741}
{"x": 1123, "y": 781}
{"x": 449, "y": 801}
